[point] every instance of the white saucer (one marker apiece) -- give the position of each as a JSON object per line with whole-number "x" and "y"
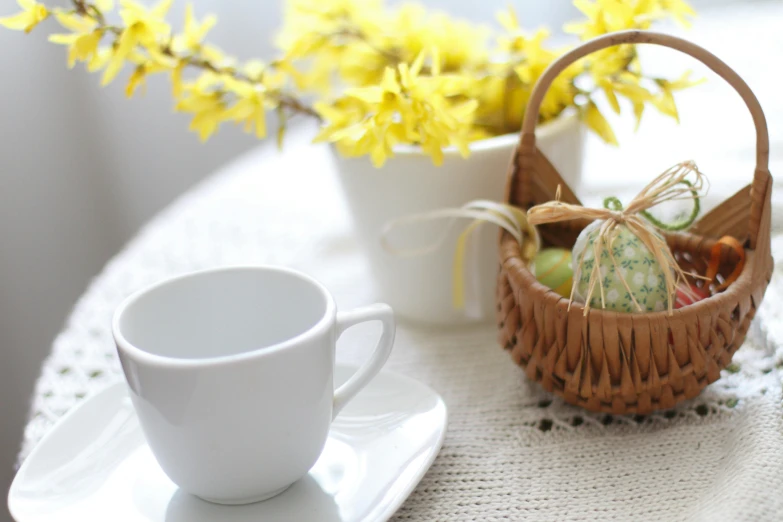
{"x": 95, "y": 465}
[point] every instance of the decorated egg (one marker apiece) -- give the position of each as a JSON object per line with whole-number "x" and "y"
{"x": 552, "y": 268}
{"x": 685, "y": 298}
{"x": 633, "y": 262}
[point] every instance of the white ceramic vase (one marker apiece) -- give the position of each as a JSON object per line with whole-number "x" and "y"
{"x": 420, "y": 288}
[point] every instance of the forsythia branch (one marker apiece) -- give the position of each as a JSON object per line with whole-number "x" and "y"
{"x": 221, "y": 92}
{"x": 402, "y": 76}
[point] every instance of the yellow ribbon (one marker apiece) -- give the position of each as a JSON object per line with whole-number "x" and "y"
{"x": 508, "y": 217}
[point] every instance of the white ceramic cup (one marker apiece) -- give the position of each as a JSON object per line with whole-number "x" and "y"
{"x": 231, "y": 374}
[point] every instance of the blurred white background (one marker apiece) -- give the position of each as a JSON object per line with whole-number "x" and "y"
{"x": 82, "y": 168}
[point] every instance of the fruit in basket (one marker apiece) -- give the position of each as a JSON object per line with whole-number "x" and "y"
{"x": 689, "y": 294}
{"x": 552, "y": 268}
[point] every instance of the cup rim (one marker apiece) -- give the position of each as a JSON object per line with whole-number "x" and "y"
{"x": 141, "y": 355}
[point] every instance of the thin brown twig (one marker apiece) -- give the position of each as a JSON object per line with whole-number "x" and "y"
{"x": 285, "y": 99}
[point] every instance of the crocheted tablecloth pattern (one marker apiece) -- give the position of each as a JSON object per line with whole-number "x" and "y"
{"x": 512, "y": 450}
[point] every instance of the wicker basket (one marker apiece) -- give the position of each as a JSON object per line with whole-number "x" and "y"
{"x": 628, "y": 362}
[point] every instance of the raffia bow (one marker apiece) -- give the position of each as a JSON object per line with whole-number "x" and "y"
{"x": 680, "y": 182}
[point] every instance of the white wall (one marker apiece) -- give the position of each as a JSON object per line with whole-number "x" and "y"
{"x": 82, "y": 168}
{"x": 51, "y": 241}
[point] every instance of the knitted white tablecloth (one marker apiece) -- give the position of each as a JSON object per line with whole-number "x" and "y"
{"x": 512, "y": 451}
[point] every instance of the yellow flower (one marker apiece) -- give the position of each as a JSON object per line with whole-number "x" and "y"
{"x": 440, "y": 121}
{"x": 308, "y": 24}
{"x": 385, "y": 96}
{"x": 502, "y": 98}
{"x": 205, "y": 103}
{"x": 615, "y": 71}
{"x": 83, "y": 41}
{"x": 339, "y": 114}
{"x": 406, "y": 107}
{"x": 680, "y": 10}
{"x": 343, "y": 124}
{"x": 610, "y": 61}
{"x": 506, "y": 90}
{"x": 664, "y": 100}
{"x": 32, "y": 14}
{"x": 104, "y": 6}
{"x": 628, "y": 85}
{"x": 352, "y": 128}
{"x": 249, "y": 106}
{"x": 99, "y": 59}
{"x": 598, "y": 124}
{"x": 404, "y": 75}
{"x": 561, "y": 93}
{"x": 348, "y": 36}
{"x": 143, "y": 68}
{"x": 136, "y": 79}
{"x": 215, "y": 56}
{"x": 462, "y": 45}
{"x": 142, "y": 27}
{"x": 176, "y": 80}
{"x": 254, "y": 69}
{"x": 508, "y": 19}
{"x": 75, "y": 22}
{"x": 605, "y": 16}
{"x": 381, "y": 128}
{"x": 194, "y": 32}
{"x": 683, "y": 82}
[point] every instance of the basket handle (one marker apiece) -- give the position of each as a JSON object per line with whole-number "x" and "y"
{"x": 761, "y": 180}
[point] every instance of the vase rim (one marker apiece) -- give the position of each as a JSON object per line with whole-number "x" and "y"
{"x": 566, "y": 119}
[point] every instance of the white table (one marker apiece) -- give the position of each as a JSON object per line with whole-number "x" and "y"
{"x": 512, "y": 451}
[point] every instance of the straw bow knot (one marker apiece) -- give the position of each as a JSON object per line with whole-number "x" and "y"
{"x": 680, "y": 182}
{"x": 619, "y": 217}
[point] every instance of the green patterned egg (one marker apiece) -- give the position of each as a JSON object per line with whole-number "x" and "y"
{"x": 636, "y": 265}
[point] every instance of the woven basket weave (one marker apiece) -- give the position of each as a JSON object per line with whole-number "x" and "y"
{"x": 633, "y": 362}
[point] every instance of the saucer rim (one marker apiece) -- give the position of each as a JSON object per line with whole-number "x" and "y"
{"x": 393, "y": 506}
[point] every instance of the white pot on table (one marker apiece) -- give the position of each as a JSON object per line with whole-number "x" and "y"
{"x": 420, "y": 288}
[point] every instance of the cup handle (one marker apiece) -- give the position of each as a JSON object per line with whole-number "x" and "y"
{"x": 345, "y": 320}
